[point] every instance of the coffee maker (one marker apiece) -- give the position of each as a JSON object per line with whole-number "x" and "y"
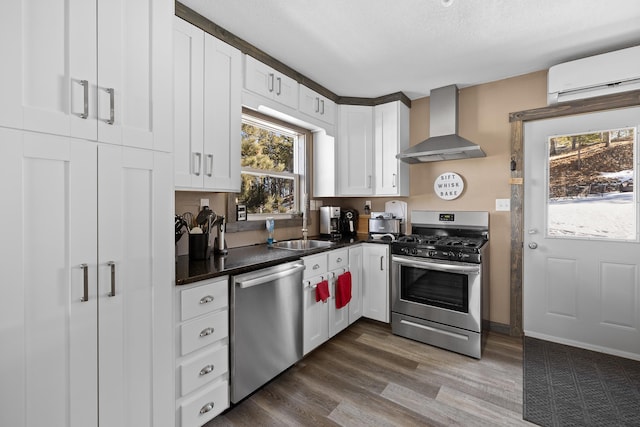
{"x": 330, "y": 222}
{"x": 348, "y": 222}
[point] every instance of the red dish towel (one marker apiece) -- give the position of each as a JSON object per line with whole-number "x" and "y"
{"x": 343, "y": 290}
{"x": 322, "y": 291}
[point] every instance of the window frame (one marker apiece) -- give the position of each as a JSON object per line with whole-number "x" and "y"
{"x": 303, "y": 138}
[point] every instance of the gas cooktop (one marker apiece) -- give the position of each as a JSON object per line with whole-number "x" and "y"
{"x": 451, "y": 248}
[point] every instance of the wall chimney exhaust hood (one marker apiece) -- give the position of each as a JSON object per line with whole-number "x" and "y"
{"x": 445, "y": 144}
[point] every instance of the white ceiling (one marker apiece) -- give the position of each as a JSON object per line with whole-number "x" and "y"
{"x": 370, "y": 48}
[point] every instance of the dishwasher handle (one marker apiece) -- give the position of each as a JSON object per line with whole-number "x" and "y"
{"x": 267, "y": 278}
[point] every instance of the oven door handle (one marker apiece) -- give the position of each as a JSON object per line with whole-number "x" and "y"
{"x": 449, "y": 268}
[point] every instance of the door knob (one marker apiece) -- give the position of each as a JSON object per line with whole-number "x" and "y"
{"x": 533, "y": 245}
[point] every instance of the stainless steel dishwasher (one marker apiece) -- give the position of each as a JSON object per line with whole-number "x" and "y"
{"x": 266, "y": 325}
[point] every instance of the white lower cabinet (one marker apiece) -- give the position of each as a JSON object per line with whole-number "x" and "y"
{"x": 88, "y": 270}
{"x": 338, "y": 264}
{"x": 375, "y": 281}
{"x": 355, "y": 267}
{"x": 202, "y": 351}
{"x": 315, "y": 314}
{"x": 323, "y": 320}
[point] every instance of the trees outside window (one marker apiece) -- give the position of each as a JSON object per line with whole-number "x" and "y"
{"x": 270, "y": 178}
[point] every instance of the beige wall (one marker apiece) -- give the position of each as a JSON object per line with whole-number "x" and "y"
{"x": 484, "y": 119}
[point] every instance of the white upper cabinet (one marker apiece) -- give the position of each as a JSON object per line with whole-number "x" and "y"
{"x": 208, "y": 111}
{"x": 355, "y": 151}
{"x": 391, "y": 137}
{"x": 269, "y": 83}
{"x": 88, "y": 69}
{"x": 317, "y": 106}
{"x": 222, "y": 115}
{"x": 188, "y": 76}
{"x": 368, "y": 140}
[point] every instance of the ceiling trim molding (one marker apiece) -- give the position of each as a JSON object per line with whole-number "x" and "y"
{"x": 193, "y": 17}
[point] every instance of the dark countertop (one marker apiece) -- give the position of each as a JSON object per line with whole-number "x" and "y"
{"x": 247, "y": 258}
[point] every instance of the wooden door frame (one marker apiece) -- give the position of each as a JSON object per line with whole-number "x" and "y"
{"x": 517, "y": 120}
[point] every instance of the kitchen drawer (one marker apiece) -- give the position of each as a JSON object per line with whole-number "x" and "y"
{"x": 203, "y": 331}
{"x": 338, "y": 258}
{"x": 204, "y": 368}
{"x": 203, "y": 299}
{"x": 205, "y": 405}
{"x": 315, "y": 265}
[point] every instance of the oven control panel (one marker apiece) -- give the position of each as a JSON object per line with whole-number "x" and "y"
{"x": 437, "y": 254}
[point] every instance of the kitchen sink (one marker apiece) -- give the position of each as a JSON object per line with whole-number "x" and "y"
{"x": 301, "y": 245}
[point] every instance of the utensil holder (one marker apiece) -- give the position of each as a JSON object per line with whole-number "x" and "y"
{"x": 199, "y": 248}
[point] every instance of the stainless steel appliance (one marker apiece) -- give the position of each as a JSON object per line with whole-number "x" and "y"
{"x": 266, "y": 325}
{"x": 383, "y": 224}
{"x": 330, "y": 221}
{"x": 348, "y": 222}
{"x": 439, "y": 280}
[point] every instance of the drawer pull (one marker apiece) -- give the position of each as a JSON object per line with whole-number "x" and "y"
{"x": 207, "y": 331}
{"x": 207, "y": 369}
{"x": 206, "y": 300}
{"x": 316, "y": 266}
{"x": 339, "y": 259}
{"x": 206, "y": 408}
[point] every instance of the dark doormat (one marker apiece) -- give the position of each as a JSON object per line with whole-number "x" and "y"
{"x": 568, "y": 386}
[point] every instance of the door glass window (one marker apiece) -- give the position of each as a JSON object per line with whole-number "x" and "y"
{"x": 591, "y": 180}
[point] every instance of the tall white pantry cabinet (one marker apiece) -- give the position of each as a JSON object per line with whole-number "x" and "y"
{"x": 87, "y": 263}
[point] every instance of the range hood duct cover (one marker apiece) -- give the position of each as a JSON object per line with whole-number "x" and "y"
{"x": 445, "y": 144}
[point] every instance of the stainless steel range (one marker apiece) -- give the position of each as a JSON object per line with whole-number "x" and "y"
{"x": 439, "y": 280}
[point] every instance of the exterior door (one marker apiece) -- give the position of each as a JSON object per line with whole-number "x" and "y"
{"x": 581, "y": 246}
{"x": 48, "y": 324}
{"x": 134, "y": 287}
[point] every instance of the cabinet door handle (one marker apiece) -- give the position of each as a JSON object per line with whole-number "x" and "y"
{"x": 205, "y": 332}
{"x": 207, "y": 369}
{"x": 112, "y": 264}
{"x": 85, "y": 85}
{"x": 322, "y": 109}
{"x": 206, "y": 408}
{"x": 206, "y": 300}
{"x": 279, "y": 86}
{"x": 112, "y": 115}
{"x": 85, "y": 275}
{"x": 369, "y": 181}
{"x": 395, "y": 180}
{"x": 317, "y": 104}
{"x": 270, "y": 82}
{"x": 196, "y": 160}
{"x": 208, "y": 166}
{"x": 381, "y": 264}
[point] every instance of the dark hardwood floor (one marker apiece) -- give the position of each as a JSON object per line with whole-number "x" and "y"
{"x": 366, "y": 376}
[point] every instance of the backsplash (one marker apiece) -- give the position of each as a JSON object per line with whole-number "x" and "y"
{"x": 189, "y": 201}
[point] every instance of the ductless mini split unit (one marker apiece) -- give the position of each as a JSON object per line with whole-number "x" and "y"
{"x": 612, "y": 72}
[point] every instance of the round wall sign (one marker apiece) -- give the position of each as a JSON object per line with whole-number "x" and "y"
{"x": 448, "y": 186}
